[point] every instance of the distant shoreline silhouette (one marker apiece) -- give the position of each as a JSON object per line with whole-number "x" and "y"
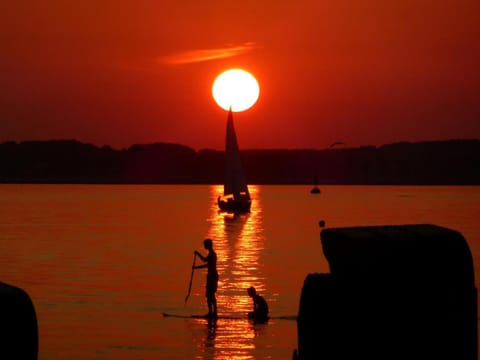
{"x": 450, "y": 162}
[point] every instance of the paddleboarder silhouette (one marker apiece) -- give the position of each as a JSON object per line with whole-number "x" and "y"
{"x": 212, "y": 276}
{"x": 260, "y": 306}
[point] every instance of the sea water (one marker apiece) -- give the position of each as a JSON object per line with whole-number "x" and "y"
{"x": 102, "y": 263}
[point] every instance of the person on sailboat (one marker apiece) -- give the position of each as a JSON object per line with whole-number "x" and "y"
{"x": 212, "y": 276}
{"x": 260, "y": 306}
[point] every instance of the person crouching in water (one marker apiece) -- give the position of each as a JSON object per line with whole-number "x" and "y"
{"x": 212, "y": 276}
{"x": 260, "y": 306}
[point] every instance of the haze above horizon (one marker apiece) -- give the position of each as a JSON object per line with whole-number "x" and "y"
{"x": 118, "y": 73}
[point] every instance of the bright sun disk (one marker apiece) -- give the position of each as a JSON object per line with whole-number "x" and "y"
{"x": 235, "y": 88}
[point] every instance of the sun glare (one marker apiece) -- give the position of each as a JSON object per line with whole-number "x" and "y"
{"x": 235, "y": 88}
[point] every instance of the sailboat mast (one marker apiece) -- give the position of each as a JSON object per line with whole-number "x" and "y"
{"x": 234, "y": 177}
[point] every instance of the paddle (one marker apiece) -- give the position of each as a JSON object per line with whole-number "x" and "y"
{"x": 191, "y": 278}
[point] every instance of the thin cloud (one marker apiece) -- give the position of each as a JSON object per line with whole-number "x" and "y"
{"x": 200, "y": 55}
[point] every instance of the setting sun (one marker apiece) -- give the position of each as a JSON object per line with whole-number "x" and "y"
{"x": 235, "y": 88}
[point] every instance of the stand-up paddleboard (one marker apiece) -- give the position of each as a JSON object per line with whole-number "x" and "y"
{"x": 230, "y": 317}
{"x": 189, "y": 316}
{"x": 285, "y": 317}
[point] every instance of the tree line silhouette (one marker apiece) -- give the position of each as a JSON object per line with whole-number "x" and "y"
{"x": 451, "y": 162}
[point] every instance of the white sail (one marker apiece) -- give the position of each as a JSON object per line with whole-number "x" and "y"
{"x": 235, "y": 182}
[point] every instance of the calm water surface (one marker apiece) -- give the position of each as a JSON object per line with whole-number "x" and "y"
{"x": 102, "y": 263}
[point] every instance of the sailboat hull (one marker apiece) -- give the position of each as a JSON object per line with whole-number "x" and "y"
{"x": 234, "y": 206}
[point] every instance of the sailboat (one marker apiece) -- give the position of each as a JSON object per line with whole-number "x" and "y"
{"x": 236, "y": 197}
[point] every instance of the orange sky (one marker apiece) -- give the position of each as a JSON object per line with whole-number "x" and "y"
{"x": 117, "y": 72}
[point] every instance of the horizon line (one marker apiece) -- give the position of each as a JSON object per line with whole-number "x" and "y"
{"x": 332, "y": 146}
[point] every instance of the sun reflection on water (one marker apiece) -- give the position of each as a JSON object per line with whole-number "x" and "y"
{"x": 238, "y": 241}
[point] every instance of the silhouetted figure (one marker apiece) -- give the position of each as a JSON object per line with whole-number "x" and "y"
{"x": 18, "y": 324}
{"x": 212, "y": 276}
{"x": 260, "y": 306}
